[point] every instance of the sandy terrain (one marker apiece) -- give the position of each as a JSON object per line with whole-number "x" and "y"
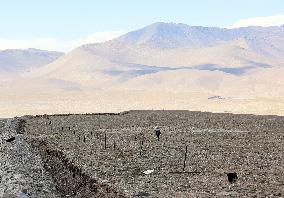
{"x": 27, "y": 102}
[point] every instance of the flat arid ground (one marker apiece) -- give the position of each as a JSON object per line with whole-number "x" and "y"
{"x": 106, "y": 155}
{"x": 26, "y": 102}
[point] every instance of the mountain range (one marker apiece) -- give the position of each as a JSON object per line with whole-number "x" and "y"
{"x": 165, "y": 58}
{"x": 16, "y": 60}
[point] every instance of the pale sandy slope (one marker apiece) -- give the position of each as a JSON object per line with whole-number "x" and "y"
{"x": 20, "y": 103}
{"x": 267, "y": 82}
{"x": 117, "y": 76}
{"x": 235, "y": 53}
{"x": 99, "y": 66}
{"x": 17, "y": 61}
{"x": 181, "y": 90}
{"x": 163, "y": 90}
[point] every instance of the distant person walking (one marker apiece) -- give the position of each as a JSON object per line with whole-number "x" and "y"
{"x": 157, "y": 131}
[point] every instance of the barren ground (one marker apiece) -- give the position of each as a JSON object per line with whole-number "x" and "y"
{"x": 105, "y": 155}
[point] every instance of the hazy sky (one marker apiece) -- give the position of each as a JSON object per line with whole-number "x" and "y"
{"x": 71, "y": 22}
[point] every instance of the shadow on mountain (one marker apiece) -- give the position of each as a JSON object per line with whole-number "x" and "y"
{"x": 136, "y": 70}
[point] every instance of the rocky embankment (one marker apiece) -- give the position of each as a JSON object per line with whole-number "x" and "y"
{"x": 22, "y": 172}
{"x": 29, "y": 168}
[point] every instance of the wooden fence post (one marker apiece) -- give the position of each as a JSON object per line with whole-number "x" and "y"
{"x": 185, "y": 158}
{"x": 105, "y": 141}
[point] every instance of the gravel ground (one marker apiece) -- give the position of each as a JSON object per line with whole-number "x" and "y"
{"x": 116, "y": 149}
{"x": 106, "y": 155}
{"x": 21, "y": 169}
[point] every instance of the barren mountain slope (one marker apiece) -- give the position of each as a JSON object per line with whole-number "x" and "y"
{"x": 162, "y": 66}
{"x": 24, "y": 60}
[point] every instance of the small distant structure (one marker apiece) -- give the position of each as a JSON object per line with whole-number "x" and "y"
{"x": 216, "y": 98}
{"x": 157, "y": 131}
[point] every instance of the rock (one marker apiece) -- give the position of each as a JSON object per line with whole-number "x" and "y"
{"x": 141, "y": 194}
{"x": 147, "y": 172}
{"x": 232, "y": 177}
{"x": 10, "y": 139}
{"x": 23, "y": 194}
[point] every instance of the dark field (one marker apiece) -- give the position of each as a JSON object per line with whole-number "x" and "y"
{"x": 105, "y": 155}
